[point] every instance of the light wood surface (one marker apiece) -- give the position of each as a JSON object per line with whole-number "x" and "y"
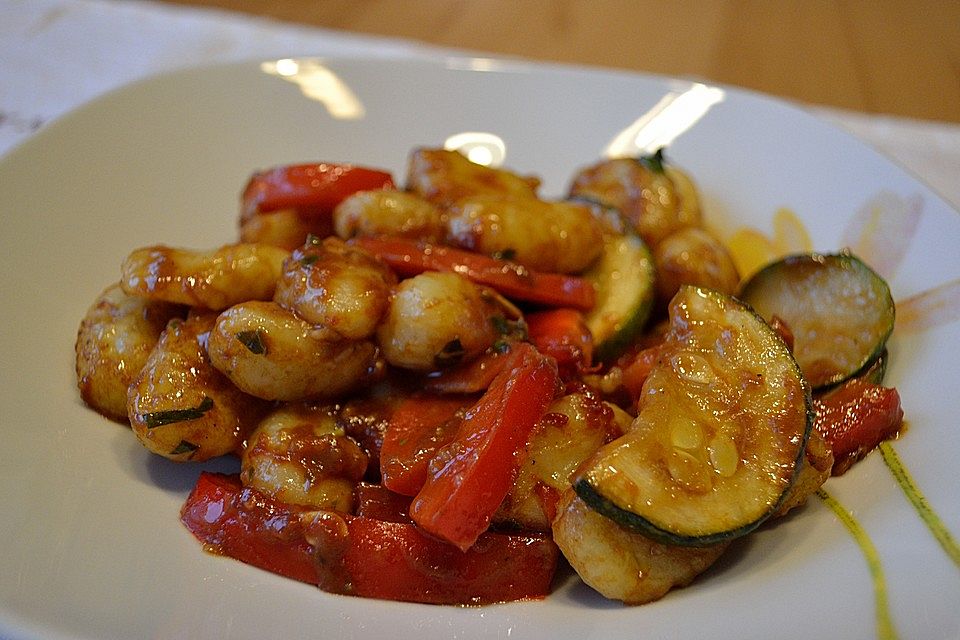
{"x": 899, "y": 57}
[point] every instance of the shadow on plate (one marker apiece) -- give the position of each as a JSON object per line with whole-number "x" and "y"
{"x": 158, "y": 472}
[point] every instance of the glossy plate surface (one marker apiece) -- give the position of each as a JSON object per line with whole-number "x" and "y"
{"x": 92, "y": 546}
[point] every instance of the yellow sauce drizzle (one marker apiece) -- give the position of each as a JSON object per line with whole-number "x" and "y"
{"x": 919, "y": 502}
{"x": 751, "y": 250}
{"x": 885, "y": 628}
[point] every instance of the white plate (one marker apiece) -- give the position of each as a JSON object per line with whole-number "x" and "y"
{"x": 92, "y": 546}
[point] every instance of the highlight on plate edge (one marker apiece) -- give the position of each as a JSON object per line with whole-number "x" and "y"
{"x": 440, "y": 388}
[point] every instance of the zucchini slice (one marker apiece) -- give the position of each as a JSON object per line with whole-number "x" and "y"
{"x": 840, "y": 312}
{"x": 721, "y": 428}
{"x": 623, "y": 278}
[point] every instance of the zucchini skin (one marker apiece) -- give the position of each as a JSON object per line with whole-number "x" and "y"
{"x": 791, "y": 288}
{"x": 624, "y": 304}
{"x": 596, "y": 488}
{"x": 629, "y": 520}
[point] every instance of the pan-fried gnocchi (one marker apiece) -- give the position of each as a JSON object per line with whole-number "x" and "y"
{"x": 357, "y": 325}
{"x": 273, "y": 354}
{"x": 621, "y": 564}
{"x": 692, "y": 255}
{"x": 389, "y": 212}
{"x": 180, "y": 406}
{"x": 443, "y": 177}
{"x": 211, "y": 279}
{"x": 436, "y": 320}
{"x": 642, "y": 191}
{"x": 335, "y": 288}
{"x": 115, "y": 339}
{"x": 562, "y": 237}
{"x": 300, "y": 454}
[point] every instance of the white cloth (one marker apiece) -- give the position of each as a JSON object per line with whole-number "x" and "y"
{"x": 58, "y": 54}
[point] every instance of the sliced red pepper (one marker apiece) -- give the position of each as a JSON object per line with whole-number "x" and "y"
{"x": 395, "y": 561}
{"x": 470, "y": 477}
{"x": 418, "y": 428}
{"x": 362, "y": 556}
{"x": 410, "y": 257}
{"x": 313, "y": 190}
{"x": 635, "y": 372}
{"x": 563, "y": 335}
{"x": 377, "y": 502}
{"x": 248, "y": 526}
{"x": 472, "y": 377}
{"x": 855, "y": 418}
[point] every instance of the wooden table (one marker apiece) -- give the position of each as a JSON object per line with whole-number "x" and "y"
{"x": 899, "y": 57}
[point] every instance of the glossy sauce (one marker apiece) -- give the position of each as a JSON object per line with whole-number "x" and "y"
{"x": 329, "y": 535}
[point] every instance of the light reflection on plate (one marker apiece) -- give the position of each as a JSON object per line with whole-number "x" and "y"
{"x": 487, "y": 149}
{"x": 674, "y": 114}
{"x": 92, "y": 545}
{"x": 318, "y": 82}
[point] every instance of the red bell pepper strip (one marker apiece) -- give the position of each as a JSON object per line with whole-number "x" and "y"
{"x": 417, "y": 429}
{"x": 563, "y": 335}
{"x": 472, "y": 377}
{"x": 636, "y": 370}
{"x": 312, "y": 189}
{"x": 410, "y": 257}
{"x": 855, "y": 418}
{"x": 395, "y": 561}
{"x": 376, "y": 502}
{"x": 248, "y": 526}
{"x": 471, "y": 476}
{"x": 362, "y": 556}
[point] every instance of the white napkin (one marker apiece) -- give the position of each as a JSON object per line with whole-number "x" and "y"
{"x": 58, "y": 54}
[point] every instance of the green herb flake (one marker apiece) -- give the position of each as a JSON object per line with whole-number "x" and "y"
{"x": 451, "y": 354}
{"x": 507, "y": 254}
{"x": 501, "y": 346}
{"x": 253, "y": 341}
{"x": 184, "y": 447}
{"x": 160, "y": 418}
{"x": 653, "y": 162}
{"x": 309, "y": 260}
{"x": 512, "y": 329}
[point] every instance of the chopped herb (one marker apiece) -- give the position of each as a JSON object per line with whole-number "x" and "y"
{"x": 308, "y": 260}
{"x": 510, "y": 331}
{"x": 184, "y": 447}
{"x": 253, "y": 341}
{"x": 507, "y": 254}
{"x": 501, "y": 346}
{"x": 313, "y": 240}
{"x": 653, "y": 162}
{"x": 509, "y": 328}
{"x": 160, "y": 418}
{"x": 451, "y": 354}
{"x": 500, "y": 325}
